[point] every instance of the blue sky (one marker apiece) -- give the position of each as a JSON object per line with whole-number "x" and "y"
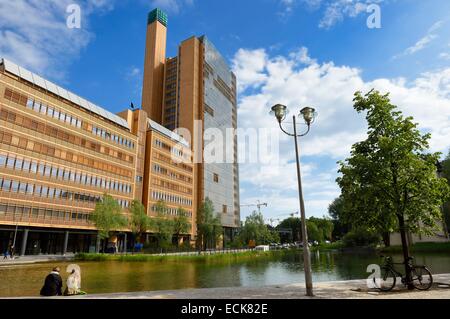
{"x": 298, "y": 52}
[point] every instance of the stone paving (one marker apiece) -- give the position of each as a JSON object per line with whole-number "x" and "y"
{"x": 352, "y": 289}
{"x": 23, "y": 260}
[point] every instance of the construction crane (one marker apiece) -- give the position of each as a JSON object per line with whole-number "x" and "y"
{"x": 258, "y": 204}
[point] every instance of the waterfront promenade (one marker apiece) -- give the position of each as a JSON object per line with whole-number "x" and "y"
{"x": 350, "y": 289}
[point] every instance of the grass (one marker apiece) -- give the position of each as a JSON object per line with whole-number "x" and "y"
{"x": 421, "y": 248}
{"x": 330, "y": 246}
{"x": 229, "y": 257}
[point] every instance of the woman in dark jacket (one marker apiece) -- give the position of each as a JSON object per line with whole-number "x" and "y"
{"x": 53, "y": 284}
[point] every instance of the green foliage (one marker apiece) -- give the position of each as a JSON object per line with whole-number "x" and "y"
{"x": 360, "y": 237}
{"x": 162, "y": 225}
{"x": 202, "y": 258}
{"x": 443, "y": 247}
{"x": 209, "y": 228}
{"x": 139, "y": 222}
{"x": 107, "y": 216}
{"x": 181, "y": 223}
{"x": 446, "y": 174}
{"x": 389, "y": 178}
{"x": 255, "y": 229}
{"x": 337, "y": 213}
{"x": 294, "y": 225}
{"x": 319, "y": 229}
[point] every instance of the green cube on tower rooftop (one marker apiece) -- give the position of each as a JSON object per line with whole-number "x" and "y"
{"x": 157, "y": 15}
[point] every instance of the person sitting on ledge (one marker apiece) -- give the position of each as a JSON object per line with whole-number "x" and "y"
{"x": 53, "y": 284}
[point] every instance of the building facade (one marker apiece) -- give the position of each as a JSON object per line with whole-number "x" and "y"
{"x": 60, "y": 153}
{"x": 199, "y": 95}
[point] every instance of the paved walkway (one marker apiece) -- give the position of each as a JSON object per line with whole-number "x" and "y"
{"x": 352, "y": 289}
{"x": 23, "y": 260}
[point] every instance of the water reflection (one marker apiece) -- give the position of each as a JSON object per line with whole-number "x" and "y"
{"x": 104, "y": 277}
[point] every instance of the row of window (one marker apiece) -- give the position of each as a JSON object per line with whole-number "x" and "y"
{"x": 54, "y": 132}
{"x": 26, "y": 144}
{"x": 172, "y": 211}
{"x": 63, "y": 174}
{"x": 25, "y": 212}
{"x": 36, "y": 190}
{"x": 166, "y": 147}
{"x": 171, "y": 198}
{"x": 112, "y": 137}
{"x": 167, "y": 159}
{"x": 171, "y": 186}
{"x": 63, "y": 117}
{"x": 172, "y": 175}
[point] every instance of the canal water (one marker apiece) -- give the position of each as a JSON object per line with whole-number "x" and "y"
{"x": 109, "y": 277}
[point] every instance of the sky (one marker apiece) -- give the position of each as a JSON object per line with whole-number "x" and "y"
{"x": 295, "y": 52}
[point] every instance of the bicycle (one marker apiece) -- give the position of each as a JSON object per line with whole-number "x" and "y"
{"x": 421, "y": 277}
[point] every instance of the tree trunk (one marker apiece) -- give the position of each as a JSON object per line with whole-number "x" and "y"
{"x": 401, "y": 222}
{"x": 387, "y": 239}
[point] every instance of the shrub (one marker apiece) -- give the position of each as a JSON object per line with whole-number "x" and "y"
{"x": 360, "y": 237}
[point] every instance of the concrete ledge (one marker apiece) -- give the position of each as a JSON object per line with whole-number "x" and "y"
{"x": 24, "y": 260}
{"x": 352, "y": 289}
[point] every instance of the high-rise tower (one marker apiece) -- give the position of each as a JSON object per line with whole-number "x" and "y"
{"x": 196, "y": 87}
{"x": 155, "y": 58}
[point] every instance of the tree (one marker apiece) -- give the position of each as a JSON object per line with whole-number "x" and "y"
{"x": 445, "y": 166}
{"x": 314, "y": 233}
{"x": 337, "y": 213}
{"x": 324, "y": 226}
{"x": 209, "y": 228}
{"x": 162, "y": 225}
{"x": 294, "y": 225}
{"x": 389, "y": 183}
{"x": 107, "y": 216}
{"x": 139, "y": 222}
{"x": 255, "y": 229}
{"x": 181, "y": 223}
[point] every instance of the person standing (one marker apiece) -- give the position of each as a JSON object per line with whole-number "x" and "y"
{"x": 53, "y": 284}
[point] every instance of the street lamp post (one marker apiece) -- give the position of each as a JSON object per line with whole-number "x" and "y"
{"x": 308, "y": 114}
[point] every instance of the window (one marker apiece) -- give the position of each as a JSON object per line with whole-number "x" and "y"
{"x": 33, "y": 168}
{"x": 2, "y": 160}
{"x": 6, "y": 185}
{"x": 26, "y": 166}
{"x": 43, "y": 109}
{"x": 18, "y": 165}
{"x": 47, "y": 170}
{"x": 10, "y": 162}
{"x": 41, "y": 169}
{"x": 30, "y": 189}
{"x": 14, "y": 187}
{"x": 30, "y": 103}
{"x": 23, "y": 188}
{"x": 216, "y": 178}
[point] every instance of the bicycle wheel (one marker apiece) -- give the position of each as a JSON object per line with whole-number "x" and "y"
{"x": 387, "y": 280}
{"x": 421, "y": 277}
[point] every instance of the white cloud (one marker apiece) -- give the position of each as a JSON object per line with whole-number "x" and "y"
{"x": 249, "y": 68}
{"x": 334, "y": 11}
{"x": 424, "y": 41}
{"x": 329, "y": 88}
{"x": 444, "y": 56}
{"x": 34, "y": 34}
